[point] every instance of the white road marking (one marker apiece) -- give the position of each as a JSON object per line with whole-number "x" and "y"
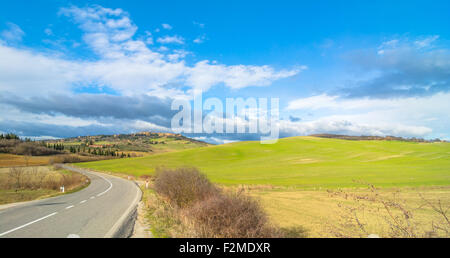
{"x": 83, "y": 201}
{"x": 109, "y": 188}
{"x": 73, "y": 236}
{"x": 113, "y": 230}
{"x": 92, "y": 197}
{"x": 29, "y": 223}
{"x": 100, "y": 194}
{"x": 69, "y": 207}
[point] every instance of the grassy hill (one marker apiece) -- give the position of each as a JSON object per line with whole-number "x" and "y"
{"x": 304, "y": 162}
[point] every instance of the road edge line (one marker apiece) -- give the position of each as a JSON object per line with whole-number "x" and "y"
{"x": 127, "y": 219}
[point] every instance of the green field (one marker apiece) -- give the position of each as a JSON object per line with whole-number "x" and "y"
{"x": 304, "y": 162}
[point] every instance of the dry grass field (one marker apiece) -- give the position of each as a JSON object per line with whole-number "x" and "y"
{"x": 19, "y": 184}
{"x": 11, "y": 160}
{"x": 326, "y": 214}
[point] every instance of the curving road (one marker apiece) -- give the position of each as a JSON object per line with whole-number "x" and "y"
{"x": 105, "y": 208}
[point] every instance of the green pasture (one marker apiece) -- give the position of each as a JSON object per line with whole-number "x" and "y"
{"x": 304, "y": 162}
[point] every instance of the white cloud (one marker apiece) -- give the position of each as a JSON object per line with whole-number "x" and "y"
{"x": 13, "y": 33}
{"x": 29, "y": 73}
{"x": 325, "y": 101}
{"x": 200, "y": 25}
{"x": 126, "y": 65}
{"x": 396, "y": 116}
{"x": 166, "y": 26}
{"x": 314, "y": 102}
{"x": 163, "y": 49}
{"x": 213, "y": 140}
{"x": 399, "y": 68}
{"x": 149, "y": 38}
{"x": 146, "y": 126}
{"x": 426, "y": 42}
{"x": 171, "y": 39}
{"x": 199, "y": 40}
{"x": 204, "y": 75}
{"x": 9, "y": 113}
{"x": 338, "y": 125}
{"x": 178, "y": 54}
{"x": 403, "y": 43}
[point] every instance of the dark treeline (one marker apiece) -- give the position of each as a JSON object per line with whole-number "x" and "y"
{"x": 97, "y": 151}
{"x": 12, "y": 144}
{"x": 9, "y": 136}
{"x": 374, "y": 138}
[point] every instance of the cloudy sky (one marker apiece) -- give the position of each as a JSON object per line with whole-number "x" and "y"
{"x": 70, "y": 68}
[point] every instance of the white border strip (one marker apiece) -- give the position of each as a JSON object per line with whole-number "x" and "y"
{"x": 109, "y": 188}
{"x": 29, "y": 223}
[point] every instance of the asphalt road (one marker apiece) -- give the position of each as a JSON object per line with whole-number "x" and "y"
{"x": 98, "y": 211}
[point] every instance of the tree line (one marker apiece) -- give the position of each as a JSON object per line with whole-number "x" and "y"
{"x": 9, "y": 136}
{"x": 92, "y": 151}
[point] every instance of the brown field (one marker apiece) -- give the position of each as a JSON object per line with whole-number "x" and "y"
{"x": 11, "y": 160}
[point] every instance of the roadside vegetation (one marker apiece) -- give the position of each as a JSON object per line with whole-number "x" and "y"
{"x": 184, "y": 203}
{"x": 390, "y": 215}
{"x": 264, "y": 211}
{"x": 336, "y": 212}
{"x": 19, "y": 184}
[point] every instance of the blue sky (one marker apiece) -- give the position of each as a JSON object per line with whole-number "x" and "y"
{"x": 351, "y": 67}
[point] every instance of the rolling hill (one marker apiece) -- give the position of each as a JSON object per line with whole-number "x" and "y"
{"x": 304, "y": 162}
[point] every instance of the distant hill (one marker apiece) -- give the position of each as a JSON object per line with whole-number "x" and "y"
{"x": 145, "y": 142}
{"x": 373, "y": 138}
{"x": 15, "y": 151}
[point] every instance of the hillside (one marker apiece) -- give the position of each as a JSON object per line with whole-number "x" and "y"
{"x": 374, "y": 138}
{"x": 305, "y": 162}
{"x": 141, "y": 143}
{"x": 23, "y": 152}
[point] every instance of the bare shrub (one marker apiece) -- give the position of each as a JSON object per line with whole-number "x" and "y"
{"x": 16, "y": 174}
{"x": 78, "y": 158}
{"x": 231, "y": 216}
{"x": 20, "y": 178}
{"x": 57, "y": 167}
{"x": 294, "y": 232}
{"x": 7, "y": 146}
{"x": 72, "y": 179}
{"x": 183, "y": 186}
{"x": 33, "y": 149}
{"x": 187, "y": 204}
{"x": 441, "y": 226}
{"x": 66, "y": 159}
{"x": 396, "y": 219}
{"x": 40, "y": 177}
